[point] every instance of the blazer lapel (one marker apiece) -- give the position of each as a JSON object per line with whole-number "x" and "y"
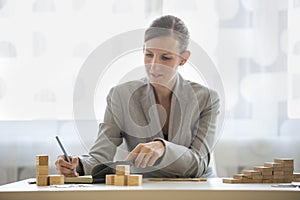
{"x": 151, "y": 113}
{"x": 179, "y": 104}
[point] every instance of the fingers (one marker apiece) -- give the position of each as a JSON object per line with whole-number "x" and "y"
{"x": 134, "y": 153}
{"x": 65, "y": 168}
{"x": 146, "y": 154}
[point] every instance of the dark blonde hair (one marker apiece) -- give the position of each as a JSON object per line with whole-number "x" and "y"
{"x": 169, "y": 25}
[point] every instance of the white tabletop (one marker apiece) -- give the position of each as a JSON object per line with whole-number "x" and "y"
{"x": 213, "y": 189}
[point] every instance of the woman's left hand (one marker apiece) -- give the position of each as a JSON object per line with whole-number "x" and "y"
{"x": 146, "y": 154}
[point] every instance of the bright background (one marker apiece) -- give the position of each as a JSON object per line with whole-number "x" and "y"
{"x": 255, "y": 45}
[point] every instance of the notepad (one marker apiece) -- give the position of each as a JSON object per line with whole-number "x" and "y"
{"x": 79, "y": 179}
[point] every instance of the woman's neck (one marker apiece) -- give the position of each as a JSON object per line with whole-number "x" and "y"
{"x": 162, "y": 94}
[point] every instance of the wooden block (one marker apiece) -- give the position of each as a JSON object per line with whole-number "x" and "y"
{"x": 56, "y": 179}
{"x": 120, "y": 180}
{"x": 278, "y": 177}
{"x": 276, "y": 173}
{"x": 296, "y": 179}
{"x": 110, "y": 179}
{"x": 278, "y": 169}
{"x": 287, "y": 181}
{"x": 287, "y": 162}
{"x": 231, "y": 180}
{"x": 257, "y": 181}
{"x": 135, "y": 180}
{"x": 251, "y": 173}
{"x": 122, "y": 169}
{"x": 267, "y": 177}
{"x": 240, "y": 176}
{"x": 41, "y": 160}
{"x": 42, "y": 170}
{"x": 273, "y": 164}
{"x": 288, "y": 173}
{"x": 42, "y": 180}
{"x": 296, "y": 175}
{"x": 288, "y": 170}
{"x": 264, "y": 170}
{"x": 260, "y": 177}
{"x": 248, "y": 180}
{"x": 277, "y": 180}
{"x": 267, "y": 181}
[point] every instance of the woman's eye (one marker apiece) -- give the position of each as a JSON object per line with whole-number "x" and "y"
{"x": 165, "y": 58}
{"x": 150, "y": 55}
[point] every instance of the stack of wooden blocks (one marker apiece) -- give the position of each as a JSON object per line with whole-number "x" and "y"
{"x": 123, "y": 177}
{"x": 42, "y": 176}
{"x": 279, "y": 171}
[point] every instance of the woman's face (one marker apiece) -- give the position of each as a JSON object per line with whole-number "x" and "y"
{"x": 162, "y": 58}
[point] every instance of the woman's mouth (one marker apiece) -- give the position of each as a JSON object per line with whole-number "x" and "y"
{"x": 156, "y": 75}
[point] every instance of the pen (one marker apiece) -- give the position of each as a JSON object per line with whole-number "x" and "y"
{"x": 65, "y": 153}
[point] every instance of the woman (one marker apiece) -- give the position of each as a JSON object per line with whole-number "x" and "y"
{"x": 167, "y": 123}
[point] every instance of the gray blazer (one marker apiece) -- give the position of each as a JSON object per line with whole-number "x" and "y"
{"x": 132, "y": 116}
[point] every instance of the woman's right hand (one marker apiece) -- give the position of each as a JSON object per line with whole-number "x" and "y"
{"x": 65, "y": 168}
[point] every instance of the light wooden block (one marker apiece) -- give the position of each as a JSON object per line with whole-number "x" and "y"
{"x": 296, "y": 179}
{"x": 287, "y": 162}
{"x": 273, "y": 164}
{"x": 258, "y": 177}
{"x": 277, "y": 180}
{"x": 264, "y": 170}
{"x": 278, "y": 169}
{"x": 296, "y": 175}
{"x": 287, "y": 180}
{"x": 135, "y": 180}
{"x": 251, "y": 173}
{"x": 267, "y": 181}
{"x": 41, "y": 160}
{"x": 240, "y": 176}
{"x": 231, "y": 180}
{"x": 122, "y": 169}
{"x": 110, "y": 179}
{"x": 42, "y": 170}
{"x": 276, "y": 173}
{"x": 42, "y": 180}
{"x": 267, "y": 177}
{"x": 278, "y": 177}
{"x": 288, "y": 170}
{"x": 120, "y": 180}
{"x": 56, "y": 179}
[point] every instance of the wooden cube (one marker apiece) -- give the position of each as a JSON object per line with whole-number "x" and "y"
{"x": 264, "y": 170}
{"x": 122, "y": 169}
{"x": 287, "y": 162}
{"x": 231, "y": 180}
{"x": 135, "y": 180}
{"x": 110, "y": 179}
{"x": 42, "y": 180}
{"x": 240, "y": 176}
{"x": 280, "y": 177}
{"x": 251, "y": 173}
{"x": 296, "y": 175}
{"x": 41, "y": 160}
{"x": 120, "y": 180}
{"x": 273, "y": 164}
{"x": 278, "y": 173}
{"x": 56, "y": 179}
{"x": 42, "y": 170}
{"x": 267, "y": 181}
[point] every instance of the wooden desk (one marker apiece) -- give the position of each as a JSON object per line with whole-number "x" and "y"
{"x": 212, "y": 189}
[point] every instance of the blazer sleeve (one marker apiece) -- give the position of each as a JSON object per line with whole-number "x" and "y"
{"x": 193, "y": 161}
{"x": 109, "y": 136}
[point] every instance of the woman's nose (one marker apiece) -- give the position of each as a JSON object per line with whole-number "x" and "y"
{"x": 154, "y": 63}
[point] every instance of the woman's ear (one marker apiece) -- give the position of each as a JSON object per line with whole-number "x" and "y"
{"x": 185, "y": 57}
